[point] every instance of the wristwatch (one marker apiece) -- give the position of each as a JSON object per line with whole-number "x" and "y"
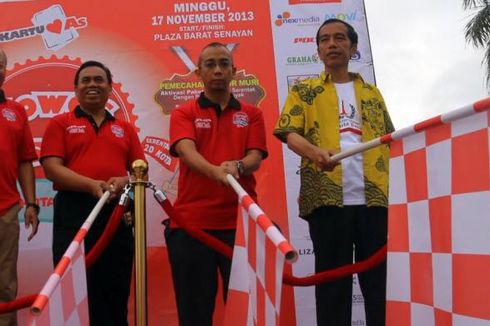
{"x": 35, "y": 206}
{"x": 240, "y": 167}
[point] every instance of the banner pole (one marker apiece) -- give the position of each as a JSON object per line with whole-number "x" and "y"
{"x": 139, "y": 171}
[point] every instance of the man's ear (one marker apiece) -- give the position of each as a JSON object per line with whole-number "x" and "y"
{"x": 353, "y": 50}
{"x": 233, "y": 70}
{"x": 197, "y": 71}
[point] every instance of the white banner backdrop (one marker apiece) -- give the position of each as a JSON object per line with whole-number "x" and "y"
{"x": 294, "y": 30}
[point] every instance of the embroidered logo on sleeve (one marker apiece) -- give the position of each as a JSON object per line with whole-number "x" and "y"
{"x": 202, "y": 123}
{"x": 9, "y": 115}
{"x": 240, "y": 119}
{"x": 118, "y": 131}
{"x": 76, "y": 129}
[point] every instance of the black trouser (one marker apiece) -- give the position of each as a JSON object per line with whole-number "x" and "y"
{"x": 195, "y": 274}
{"x": 109, "y": 278}
{"x": 334, "y": 231}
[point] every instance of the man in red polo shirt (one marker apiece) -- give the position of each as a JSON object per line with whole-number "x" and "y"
{"x": 213, "y": 136}
{"x": 84, "y": 153}
{"x": 17, "y": 153}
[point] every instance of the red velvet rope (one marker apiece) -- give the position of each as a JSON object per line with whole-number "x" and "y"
{"x": 106, "y": 237}
{"x": 90, "y": 258}
{"x": 338, "y": 272}
{"x": 288, "y": 278}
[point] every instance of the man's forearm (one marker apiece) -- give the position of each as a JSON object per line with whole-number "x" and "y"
{"x": 300, "y": 145}
{"x": 27, "y": 181}
{"x": 66, "y": 178}
{"x": 251, "y": 161}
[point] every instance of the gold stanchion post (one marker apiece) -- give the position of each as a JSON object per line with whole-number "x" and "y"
{"x": 139, "y": 171}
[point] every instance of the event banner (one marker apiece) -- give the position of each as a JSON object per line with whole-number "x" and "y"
{"x": 152, "y": 48}
{"x": 294, "y": 29}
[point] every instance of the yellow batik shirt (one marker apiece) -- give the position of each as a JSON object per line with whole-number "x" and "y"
{"x": 311, "y": 110}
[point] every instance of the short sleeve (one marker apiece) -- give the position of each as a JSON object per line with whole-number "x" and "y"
{"x": 256, "y": 136}
{"x": 135, "y": 148}
{"x": 292, "y": 118}
{"x": 53, "y": 143}
{"x": 27, "y": 151}
{"x": 181, "y": 127}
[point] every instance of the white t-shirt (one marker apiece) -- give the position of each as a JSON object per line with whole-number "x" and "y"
{"x": 350, "y": 123}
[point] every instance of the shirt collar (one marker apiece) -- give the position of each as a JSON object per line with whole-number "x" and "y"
{"x": 79, "y": 113}
{"x": 205, "y": 103}
{"x": 327, "y": 78}
{"x": 2, "y": 96}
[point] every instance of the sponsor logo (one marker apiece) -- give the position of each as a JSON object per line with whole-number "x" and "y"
{"x": 56, "y": 29}
{"x": 286, "y": 19}
{"x": 301, "y": 60}
{"x": 118, "y": 131}
{"x": 74, "y": 129}
{"x": 294, "y": 79}
{"x": 304, "y": 40}
{"x": 357, "y": 299}
{"x": 356, "y": 56}
{"x": 9, "y": 115}
{"x": 306, "y": 251}
{"x": 202, "y": 123}
{"x": 345, "y": 16}
{"x": 44, "y": 87}
{"x": 240, "y": 119}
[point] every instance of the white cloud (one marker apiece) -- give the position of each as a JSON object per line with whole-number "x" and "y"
{"x": 423, "y": 65}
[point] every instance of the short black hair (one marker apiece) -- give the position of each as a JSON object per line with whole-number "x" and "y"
{"x": 351, "y": 32}
{"x": 213, "y": 45}
{"x": 93, "y": 63}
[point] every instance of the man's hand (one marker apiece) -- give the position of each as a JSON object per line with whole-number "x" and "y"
{"x": 321, "y": 158}
{"x": 31, "y": 219}
{"x": 218, "y": 173}
{"x": 231, "y": 167}
{"x": 116, "y": 185}
{"x": 96, "y": 188}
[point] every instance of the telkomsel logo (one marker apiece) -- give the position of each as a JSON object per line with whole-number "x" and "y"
{"x": 55, "y": 28}
{"x": 286, "y": 19}
{"x": 44, "y": 87}
{"x": 356, "y": 56}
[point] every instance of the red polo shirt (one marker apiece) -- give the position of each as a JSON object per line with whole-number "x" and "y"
{"x": 99, "y": 153}
{"x": 16, "y": 146}
{"x": 219, "y": 136}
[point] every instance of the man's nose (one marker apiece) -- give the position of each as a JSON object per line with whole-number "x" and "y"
{"x": 91, "y": 82}
{"x": 331, "y": 43}
{"x": 218, "y": 69}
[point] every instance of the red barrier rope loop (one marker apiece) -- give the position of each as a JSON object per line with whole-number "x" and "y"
{"x": 329, "y": 275}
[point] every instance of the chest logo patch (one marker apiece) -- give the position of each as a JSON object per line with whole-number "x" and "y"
{"x": 240, "y": 119}
{"x": 9, "y": 115}
{"x": 118, "y": 131}
{"x": 76, "y": 129}
{"x": 202, "y": 123}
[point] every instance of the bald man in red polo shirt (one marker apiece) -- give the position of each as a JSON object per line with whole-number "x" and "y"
{"x": 84, "y": 153}
{"x": 17, "y": 153}
{"x": 213, "y": 136}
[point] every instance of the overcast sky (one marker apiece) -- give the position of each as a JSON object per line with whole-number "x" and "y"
{"x": 422, "y": 63}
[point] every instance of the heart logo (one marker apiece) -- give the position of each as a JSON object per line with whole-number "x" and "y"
{"x": 55, "y": 27}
